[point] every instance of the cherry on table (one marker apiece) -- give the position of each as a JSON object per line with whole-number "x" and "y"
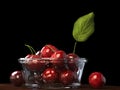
{"x": 16, "y": 78}
{"x": 96, "y": 80}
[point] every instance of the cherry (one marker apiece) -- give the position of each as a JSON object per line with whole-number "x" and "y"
{"x": 16, "y": 78}
{"x": 58, "y": 58}
{"x": 72, "y": 61}
{"x": 67, "y": 77}
{"x": 34, "y": 63}
{"x": 97, "y": 80}
{"x": 47, "y": 51}
{"x": 50, "y": 75}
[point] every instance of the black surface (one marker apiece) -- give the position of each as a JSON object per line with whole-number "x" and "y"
{"x": 38, "y": 25}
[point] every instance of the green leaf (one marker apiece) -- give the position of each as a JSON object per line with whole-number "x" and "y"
{"x": 83, "y": 27}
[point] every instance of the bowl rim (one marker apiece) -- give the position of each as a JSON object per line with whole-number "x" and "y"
{"x": 23, "y": 60}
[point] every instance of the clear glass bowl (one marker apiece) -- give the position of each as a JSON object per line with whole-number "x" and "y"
{"x": 33, "y": 70}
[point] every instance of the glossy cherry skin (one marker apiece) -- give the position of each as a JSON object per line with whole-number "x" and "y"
{"x": 67, "y": 77}
{"x": 34, "y": 63}
{"x": 58, "y": 58}
{"x": 72, "y": 59}
{"x": 97, "y": 80}
{"x": 50, "y": 75}
{"x": 47, "y": 50}
{"x": 16, "y": 78}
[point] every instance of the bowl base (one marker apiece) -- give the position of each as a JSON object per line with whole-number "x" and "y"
{"x": 53, "y": 86}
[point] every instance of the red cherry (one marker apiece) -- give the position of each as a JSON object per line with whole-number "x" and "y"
{"x": 97, "y": 80}
{"x": 47, "y": 50}
{"x": 58, "y": 58}
{"x": 34, "y": 63}
{"x": 72, "y": 61}
{"x": 67, "y": 77}
{"x": 16, "y": 78}
{"x": 50, "y": 75}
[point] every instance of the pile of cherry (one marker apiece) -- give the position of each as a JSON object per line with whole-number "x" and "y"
{"x": 49, "y": 65}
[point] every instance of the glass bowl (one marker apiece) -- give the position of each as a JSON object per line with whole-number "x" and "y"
{"x": 52, "y": 74}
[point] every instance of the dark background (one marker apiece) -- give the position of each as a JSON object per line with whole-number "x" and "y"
{"x": 40, "y": 23}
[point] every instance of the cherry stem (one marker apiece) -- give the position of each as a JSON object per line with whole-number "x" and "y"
{"x": 74, "y": 46}
{"x": 31, "y": 49}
